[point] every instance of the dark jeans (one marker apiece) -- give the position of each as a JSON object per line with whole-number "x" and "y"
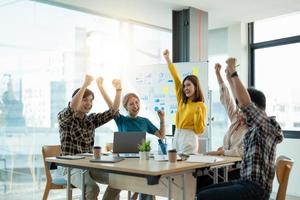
{"x": 233, "y": 190}
{"x": 205, "y": 180}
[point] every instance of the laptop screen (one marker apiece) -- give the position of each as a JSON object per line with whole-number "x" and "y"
{"x": 127, "y": 142}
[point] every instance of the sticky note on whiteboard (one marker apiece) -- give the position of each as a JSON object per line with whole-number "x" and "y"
{"x": 195, "y": 71}
{"x": 166, "y": 90}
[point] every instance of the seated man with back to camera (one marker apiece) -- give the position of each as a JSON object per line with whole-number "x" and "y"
{"x": 233, "y": 139}
{"x": 258, "y": 162}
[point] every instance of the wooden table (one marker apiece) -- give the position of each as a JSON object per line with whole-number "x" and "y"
{"x": 177, "y": 180}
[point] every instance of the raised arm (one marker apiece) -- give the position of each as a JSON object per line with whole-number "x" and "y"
{"x": 225, "y": 98}
{"x": 161, "y": 132}
{"x": 166, "y": 55}
{"x": 174, "y": 74}
{"x": 238, "y": 88}
{"x": 117, "y": 84}
{"x": 218, "y": 73}
{"x": 76, "y": 100}
{"x": 106, "y": 98}
{"x": 228, "y": 77}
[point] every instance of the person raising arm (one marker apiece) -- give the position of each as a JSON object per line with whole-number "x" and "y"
{"x": 77, "y": 133}
{"x": 233, "y": 139}
{"x": 260, "y": 141}
{"x": 133, "y": 122}
{"x": 191, "y": 110}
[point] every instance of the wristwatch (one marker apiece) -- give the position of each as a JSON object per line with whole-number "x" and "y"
{"x": 234, "y": 74}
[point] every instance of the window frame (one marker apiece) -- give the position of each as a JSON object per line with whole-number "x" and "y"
{"x": 291, "y": 134}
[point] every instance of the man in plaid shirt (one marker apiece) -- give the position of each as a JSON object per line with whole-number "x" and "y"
{"x": 258, "y": 163}
{"x": 77, "y": 131}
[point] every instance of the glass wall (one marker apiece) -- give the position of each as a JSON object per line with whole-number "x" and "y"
{"x": 45, "y": 51}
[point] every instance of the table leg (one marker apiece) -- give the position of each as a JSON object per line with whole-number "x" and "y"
{"x": 83, "y": 184}
{"x": 129, "y": 195}
{"x": 169, "y": 188}
{"x": 183, "y": 186}
{"x": 225, "y": 173}
{"x": 69, "y": 196}
{"x": 216, "y": 175}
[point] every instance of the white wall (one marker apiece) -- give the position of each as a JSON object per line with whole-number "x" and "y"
{"x": 218, "y": 41}
{"x": 231, "y": 40}
{"x": 238, "y": 48}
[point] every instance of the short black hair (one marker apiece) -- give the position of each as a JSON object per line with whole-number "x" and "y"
{"x": 257, "y": 97}
{"x": 87, "y": 93}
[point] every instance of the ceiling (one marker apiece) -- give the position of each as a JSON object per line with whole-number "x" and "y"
{"x": 221, "y": 13}
{"x": 225, "y": 12}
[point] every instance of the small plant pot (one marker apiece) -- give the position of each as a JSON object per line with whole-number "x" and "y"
{"x": 144, "y": 155}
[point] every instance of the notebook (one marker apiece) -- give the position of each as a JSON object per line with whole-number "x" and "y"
{"x": 70, "y": 157}
{"x": 126, "y": 143}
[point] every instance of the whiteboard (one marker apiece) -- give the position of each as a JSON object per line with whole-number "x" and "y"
{"x": 155, "y": 87}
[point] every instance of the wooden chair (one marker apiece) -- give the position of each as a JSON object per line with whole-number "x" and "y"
{"x": 283, "y": 168}
{"x": 52, "y": 183}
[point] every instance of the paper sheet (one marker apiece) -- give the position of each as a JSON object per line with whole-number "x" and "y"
{"x": 203, "y": 159}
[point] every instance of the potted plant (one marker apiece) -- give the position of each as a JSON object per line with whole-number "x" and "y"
{"x": 144, "y": 149}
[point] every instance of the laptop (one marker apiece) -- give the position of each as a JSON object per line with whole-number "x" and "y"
{"x": 126, "y": 143}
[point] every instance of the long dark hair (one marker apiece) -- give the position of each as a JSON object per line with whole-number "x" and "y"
{"x": 198, "y": 92}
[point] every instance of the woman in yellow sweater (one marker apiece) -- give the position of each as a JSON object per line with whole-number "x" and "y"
{"x": 191, "y": 111}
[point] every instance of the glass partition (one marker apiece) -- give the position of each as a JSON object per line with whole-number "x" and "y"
{"x": 45, "y": 51}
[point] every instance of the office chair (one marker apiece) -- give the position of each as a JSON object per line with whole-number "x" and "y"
{"x": 283, "y": 168}
{"x": 52, "y": 183}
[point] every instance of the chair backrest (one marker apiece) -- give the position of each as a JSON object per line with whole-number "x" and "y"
{"x": 50, "y": 151}
{"x": 283, "y": 168}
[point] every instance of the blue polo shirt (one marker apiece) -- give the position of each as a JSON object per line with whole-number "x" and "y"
{"x": 127, "y": 124}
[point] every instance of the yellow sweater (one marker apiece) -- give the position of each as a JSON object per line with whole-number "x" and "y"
{"x": 190, "y": 115}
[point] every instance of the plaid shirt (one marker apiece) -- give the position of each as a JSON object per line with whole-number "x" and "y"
{"x": 77, "y": 135}
{"x": 260, "y": 147}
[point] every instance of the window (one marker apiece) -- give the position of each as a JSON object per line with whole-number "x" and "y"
{"x": 277, "y": 78}
{"x": 44, "y": 53}
{"x": 277, "y": 27}
{"x": 275, "y": 63}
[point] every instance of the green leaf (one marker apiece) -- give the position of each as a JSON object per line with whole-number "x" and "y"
{"x": 145, "y": 146}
